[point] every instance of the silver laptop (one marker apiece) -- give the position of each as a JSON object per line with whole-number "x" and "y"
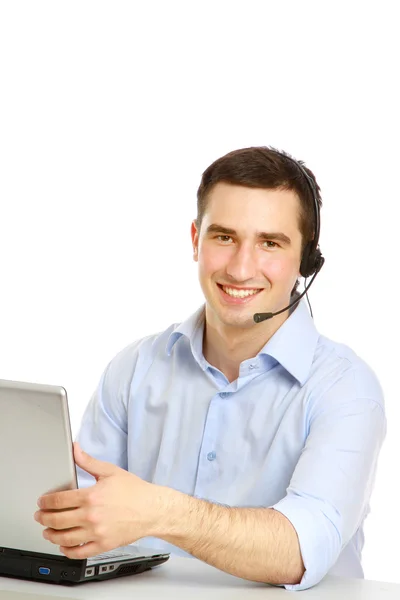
{"x": 36, "y": 457}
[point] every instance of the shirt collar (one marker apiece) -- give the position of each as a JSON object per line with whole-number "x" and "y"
{"x": 187, "y": 328}
{"x": 292, "y": 345}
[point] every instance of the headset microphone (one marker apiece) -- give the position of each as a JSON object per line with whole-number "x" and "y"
{"x": 312, "y": 259}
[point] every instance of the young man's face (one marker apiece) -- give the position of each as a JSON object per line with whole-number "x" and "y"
{"x": 249, "y": 252}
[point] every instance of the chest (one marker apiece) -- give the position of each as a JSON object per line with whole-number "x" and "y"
{"x": 238, "y": 446}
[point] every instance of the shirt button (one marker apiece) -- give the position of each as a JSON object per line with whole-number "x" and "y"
{"x": 224, "y": 394}
{"x": 253, "y": 367}
{"x": 211, "y": 455}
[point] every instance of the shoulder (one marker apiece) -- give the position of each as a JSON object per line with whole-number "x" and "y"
{"x": 336, "y": 366}
{"x": 140, "y": 354}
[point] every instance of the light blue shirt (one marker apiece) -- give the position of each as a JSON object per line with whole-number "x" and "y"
{"x": 299, "y": 431}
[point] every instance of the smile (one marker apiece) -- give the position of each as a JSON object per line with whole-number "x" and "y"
{"x": 239, "y": 293}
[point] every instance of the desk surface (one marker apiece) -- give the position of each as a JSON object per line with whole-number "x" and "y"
{"x": 183, "y": 578}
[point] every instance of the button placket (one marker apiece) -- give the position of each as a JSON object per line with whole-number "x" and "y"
{"x": 207, "y": 465}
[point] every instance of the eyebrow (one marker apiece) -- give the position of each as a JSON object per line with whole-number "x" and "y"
{"x": 261, "y": 235}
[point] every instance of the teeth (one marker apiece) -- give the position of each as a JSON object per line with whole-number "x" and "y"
{"x": 239, "y": 293}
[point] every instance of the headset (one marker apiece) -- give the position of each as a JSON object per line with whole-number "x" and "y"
{"x": 312, "y": 259}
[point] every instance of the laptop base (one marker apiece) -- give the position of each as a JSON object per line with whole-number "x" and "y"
{"x": 65, "y": 571}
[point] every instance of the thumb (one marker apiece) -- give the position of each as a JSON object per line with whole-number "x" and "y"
{"x": 97, "y": 468}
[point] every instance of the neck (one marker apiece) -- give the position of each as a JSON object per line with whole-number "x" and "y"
{"x": 226, "y": 347}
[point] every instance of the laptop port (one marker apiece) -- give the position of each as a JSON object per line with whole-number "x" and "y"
{"x": 89, "y": 572}
{"x": 106, "y": 568}
{"x": 44, "y": 570}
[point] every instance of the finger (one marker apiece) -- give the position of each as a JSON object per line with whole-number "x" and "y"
{"x": 97, "y": 468}
{"x": 81, "y": 552}
{"x": 61, "y": 520}
{"x": 67, "y": 537}
{"x": 63, "y": 500}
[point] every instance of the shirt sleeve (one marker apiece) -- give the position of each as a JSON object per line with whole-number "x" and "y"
{"x": 104, "y": 428}
{"x": 329, "y": 492}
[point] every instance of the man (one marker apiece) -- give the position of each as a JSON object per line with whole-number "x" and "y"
{"x": 251, "y": 446}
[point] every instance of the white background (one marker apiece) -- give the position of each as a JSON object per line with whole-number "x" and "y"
{"x": 110, "y": 111}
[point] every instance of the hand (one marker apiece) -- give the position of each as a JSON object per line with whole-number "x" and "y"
{"x": 118, "y": 510}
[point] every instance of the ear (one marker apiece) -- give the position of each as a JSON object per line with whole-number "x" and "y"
{"x": 195, "y": 241}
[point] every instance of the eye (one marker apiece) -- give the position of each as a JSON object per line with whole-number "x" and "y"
{"x": 270, "y": 244}
{"x": 224, "y": 238}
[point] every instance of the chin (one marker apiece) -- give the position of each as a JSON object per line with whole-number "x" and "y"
{"x": 232, "y": 316}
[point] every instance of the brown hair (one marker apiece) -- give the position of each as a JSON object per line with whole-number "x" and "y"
{"x": 262, "y": 167}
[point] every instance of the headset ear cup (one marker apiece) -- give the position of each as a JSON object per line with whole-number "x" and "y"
{"x": 311, "y": 262}
{"x": 305, "y": 261}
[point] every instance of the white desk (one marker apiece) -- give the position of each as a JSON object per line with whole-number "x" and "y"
{"x": 189, "y": 579}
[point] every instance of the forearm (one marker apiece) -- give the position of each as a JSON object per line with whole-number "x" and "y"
{"x": 259, "y": 544}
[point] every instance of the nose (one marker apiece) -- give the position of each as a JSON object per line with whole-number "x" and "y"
{"x": 242, "y": 265}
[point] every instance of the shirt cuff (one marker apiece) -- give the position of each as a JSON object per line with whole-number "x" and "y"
{"x": 317, "y": 528}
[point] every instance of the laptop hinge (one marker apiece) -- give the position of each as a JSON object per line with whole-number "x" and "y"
{"x": 9, "y": 552}
{"x": 36, "y": 555}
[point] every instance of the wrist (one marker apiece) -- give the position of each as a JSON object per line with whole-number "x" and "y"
{"x": 174, "y": 515}
{"x": 168, "y": 509}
